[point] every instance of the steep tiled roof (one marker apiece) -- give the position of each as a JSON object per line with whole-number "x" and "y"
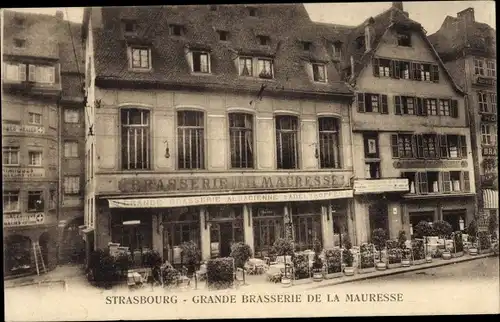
{"x": 286, "y": 25}
{"x": 454, "y": 35}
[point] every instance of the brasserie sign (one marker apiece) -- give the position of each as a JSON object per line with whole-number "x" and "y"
{"x": 233, "y": 183}
{"x": 17, "y": 128}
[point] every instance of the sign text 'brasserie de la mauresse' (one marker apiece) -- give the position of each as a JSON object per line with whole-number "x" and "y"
{"x": 236, "y": 183}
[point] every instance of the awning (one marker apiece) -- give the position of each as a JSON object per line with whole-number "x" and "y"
{"x": 490, "y": 198}
{"x": 227, "y": 199}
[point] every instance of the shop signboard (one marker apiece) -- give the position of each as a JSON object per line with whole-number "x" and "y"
{"x": 24, "y": 219}
{"x": 490, "y": 151}
{"x": 381, "y": 185}
{"x": 228, "y": 199}
{"x": 22, "y": 173}
{"x": 28, "y": 129}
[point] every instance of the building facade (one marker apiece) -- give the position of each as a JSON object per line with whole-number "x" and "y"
{"x": 411, "y": 142}
{"x": 32, "y": 79}
{"x": 468, "y": 49}
{"x": 234, "y": 132}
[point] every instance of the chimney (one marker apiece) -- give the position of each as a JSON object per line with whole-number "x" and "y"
{"x": 369, "y": 34}
{"x": 466, "y": 15}
{"x": 398, "y": 5}
{"x": 59, "y": 15}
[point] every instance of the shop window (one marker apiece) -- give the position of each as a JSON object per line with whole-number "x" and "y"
{"x": 10, "y": 155}
{"x": 180, "y": 225}
{"x": 10, "y": 201}
{"x": 191, "y": 140}
{"x": 135, "y": 139}
{"x": 132, "y": 229}
{"x": 18, "y": 252}
{"x": 287, "y": 142}
{"x": 241, "y": 140}
{"x": 306, "y": 219}
{"x": 267, "y": 227}
{"x": 35, "y": 201}
{"x": 329, "y": 142}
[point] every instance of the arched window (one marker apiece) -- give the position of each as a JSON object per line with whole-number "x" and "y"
{"x": 287, "y": 142}
{"x": 241, "y": 140}
{"x": 136, "y": 149}
{"x": 191, "y": 140}
{"x": 329, "y": 142}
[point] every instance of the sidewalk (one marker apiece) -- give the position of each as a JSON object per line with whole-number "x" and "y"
{"x": 436, "y": 262}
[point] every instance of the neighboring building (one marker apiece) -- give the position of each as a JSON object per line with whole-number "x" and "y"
{"x": 213, "y": 124}
{"x": 468, "y": 49}
{"x": 33, "y": 91}
{"x": 411, "y": 143}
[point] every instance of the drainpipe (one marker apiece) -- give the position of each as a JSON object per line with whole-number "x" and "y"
{"x": 59, "y": 171}
{"x": 352, "y": 214}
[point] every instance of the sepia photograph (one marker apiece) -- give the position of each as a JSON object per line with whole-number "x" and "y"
{"x": 250, "y": 161}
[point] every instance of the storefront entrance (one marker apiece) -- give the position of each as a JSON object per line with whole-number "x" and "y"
{"x": 18, "y": 255}
{"x": 453, "y": 217}
{"x": 226, "y": 228}
{"x": 132, "y": 228}
{"x": 179, "y": 225}
{"x": 268, "y": 226}
{"x": 306, "y": 218}
{"x": 377, "y": 213}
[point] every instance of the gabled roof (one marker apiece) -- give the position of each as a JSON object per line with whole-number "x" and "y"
{"x": 380, "y": 24}
{"x": 286, "y": 25}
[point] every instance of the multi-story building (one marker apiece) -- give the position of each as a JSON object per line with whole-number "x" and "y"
{"x": 213, "y": 124}
{"x": 33, "y": 93}
{"x": 468, "y": 49}
{"x": 411, "y": 142}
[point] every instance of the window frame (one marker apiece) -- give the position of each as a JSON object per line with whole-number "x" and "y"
{"x": 488, "y": 137}
{"x": 479, "y": 67}
{"x": 337, "y": 50}
{"x": 201, "y": 163}
{"x": 208, "y": 66}
{"x": 491, "y": 67}
{"x": 8, "y": 194}
{"x": 69, "y": 114}
{"x": 279, "y": 132}
{"x": 271, "y": 62}
{"x": 70, "y": 181}
{"x": 140, "y": 49}
{"x": 325, "y": 76}
{"x": 148, "y": 151}
{"x": 264, "y": 40}
{"x": 10, "y": 150}
{"x": 73, "y": 148}
{"x": 32, "y": 193}
{"x": 443, "y": 111}
{"x": 250, "y": 163}
{"x": 246, "y": 59}
{"x": 404, "y": 38}
{"x": 33, "y": 121}
{"x": 172, "y": 28}
{"x": 32, "y": 153}
{"x": 335, "y": 150}
{"x": 482, "y": 102}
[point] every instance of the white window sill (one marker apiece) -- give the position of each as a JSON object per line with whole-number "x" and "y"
{"x": 201, "y": 74}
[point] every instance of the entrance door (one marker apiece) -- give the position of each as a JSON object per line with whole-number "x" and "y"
{"x": 453, "y": 217}
{"x": 378, "y": 217}
{"x": 226, "y": 238}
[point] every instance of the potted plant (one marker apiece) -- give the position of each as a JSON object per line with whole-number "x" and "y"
{"x": 317, "y": 262}
{"x": 241, "y": 253}
{"x": 333, "y": 259}
{"x": 367, "y": 258}
{"x": 301, "y": 267}
{"x": 458, "y": 244}
{"x": 220, "y": 273}
{"x": 393, "y": 254}
{"x": 348, "y": 257}
{"x": 484, "y": 242}
{"x": 190, "y": 254}
{"x": 418, "y": 251}
{"x": 425, "y": 231}
{"x": 405, "y": 257}
{"x": 472, "y": 237}
{"x": 284, "y": 247}
{"x": 123, "y": 263}
{"x": 443, "y": 229}
{"x": 379, "y": 238}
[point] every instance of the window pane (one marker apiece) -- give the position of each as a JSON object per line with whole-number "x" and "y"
{"x": 135, "y": 139}
{"x": 329, "y": 142}
{"x": 287, "y": 142}
{"x": 241, "y": 140}
{"x": 191, "y": 141}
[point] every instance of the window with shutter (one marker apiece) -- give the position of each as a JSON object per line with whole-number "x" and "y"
{"x": 422, "y": 183}
{"x": 435, "y": 73}
{"x": 443, "y": 146}
{"x": 466, "y": 181}
{"x": 22, "y": 72}
{"x": 385, "y": 108}
{"x": 420, "y": 146}
{"x": 376, "y": 66}
{"x": 445, "y": 181}
{"x": 32, "y": 73}
{"x": 396, "y": 69}
{"x": 415, "y": 68}
{"x": 395, "y": 145}
{"x": 454, "y": 108}
{"x": 414, "y": 146}
{"x": 361, "y": 103}
{"x": 397, "y": 105}
{"x": 463, "y": 147}
{"x": 420, "y": 106}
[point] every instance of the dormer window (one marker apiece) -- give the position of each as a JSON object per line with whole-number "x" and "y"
{"x": 265, "y": 68}
{"x": 404, "y": 39}
{"x": 129, "y": 26}
{"x": 337, "y": 50}
{"x": 306, "y": 45}
{"x": 319, "y": 72}
{"x": 256, "y": 67}
{"x": 176, "y": 30}
{"x": 264, "y": 40}
{"x": 140, "y": 58}
{"x": 246, "y": 66}
{"x": 19, "y": 43}
{"x": 223, "y": 35}
{"x": 252, "y": 12}
{"x": 201, "y": 62}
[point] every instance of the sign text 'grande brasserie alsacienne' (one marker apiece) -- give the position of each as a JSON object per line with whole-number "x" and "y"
{"x": 232, "y": 183}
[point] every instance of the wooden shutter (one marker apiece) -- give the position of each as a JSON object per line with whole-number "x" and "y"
{"x": 420, "y": 146}
{"x": 420, "y": 106}
{"x": 395, "y": 145}
{"x": 32, "y": 73}
{"x": 465, "y": 181}
{"x": 422, "y": 182}
{"x": 361, "y": 103}
{"x": 376, "y": 65}
{"x": 414, "y": 146}
{"x": 443, "y": 145}
{"x": 397, "y": 105}
{"x": 454, "y": 108}
{"x": 462, "y": 147}
{"x": 22, "y": 72}
{"x": 395, "y": 67}
{"x": 445, "y": 181}
{"x": 435, "y": 73}
{"x": 384, "y": 106}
